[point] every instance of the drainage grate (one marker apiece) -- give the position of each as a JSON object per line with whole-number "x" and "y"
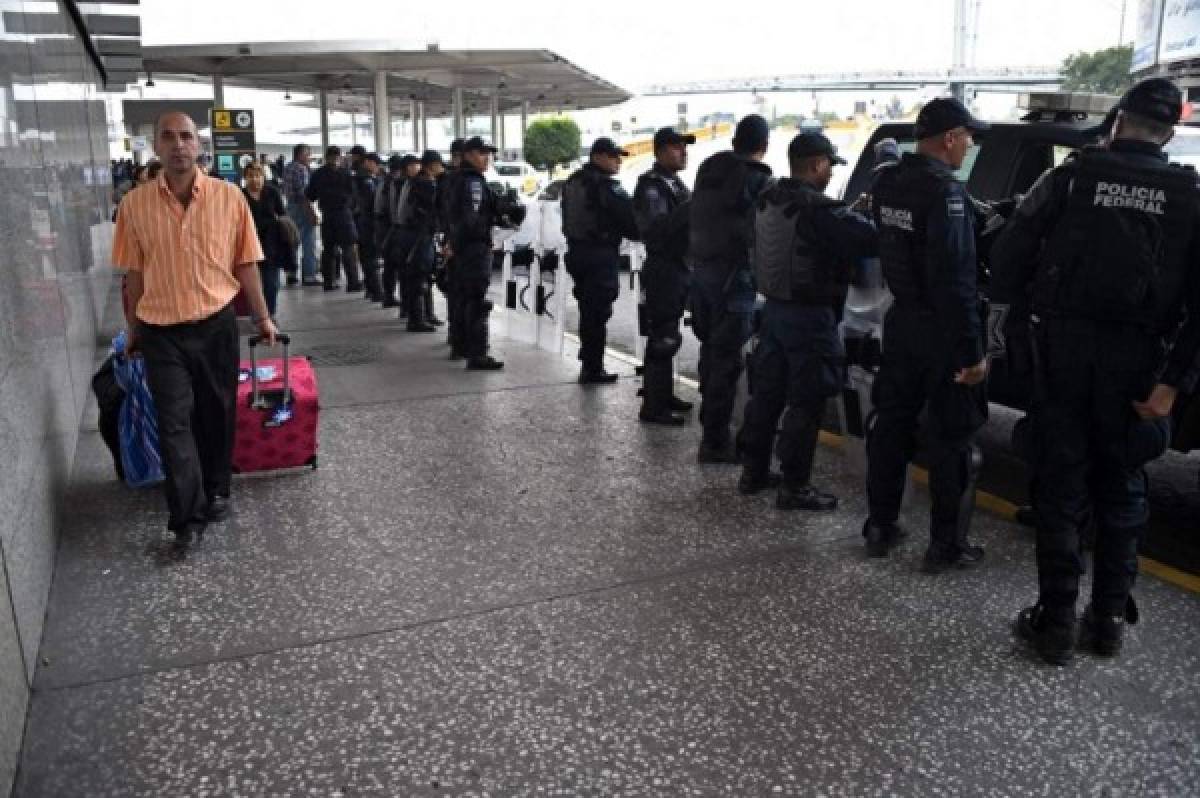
{"x": 344, "y": 354}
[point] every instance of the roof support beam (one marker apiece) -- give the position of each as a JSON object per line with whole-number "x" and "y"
{"x": 323, "y": 108}
{"x": 382, "y": 115}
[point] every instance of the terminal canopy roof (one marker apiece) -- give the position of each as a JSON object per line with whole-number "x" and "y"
{"x": 347, "y": 69}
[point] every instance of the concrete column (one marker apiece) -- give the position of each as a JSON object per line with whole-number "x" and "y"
{"x": 494, "y": 101}
{"x": 502, "y": 139}
{"x": 457, "y": 110}
{"x": 323, "y": 109}
{"x": 424, "y": 124}
{"x": 383, "y": 116}
{"x": 218, "y": 84}
{"x": 524, "y": 124}
{"x": 353, "y": 128}
{"x": 416, "y": 128}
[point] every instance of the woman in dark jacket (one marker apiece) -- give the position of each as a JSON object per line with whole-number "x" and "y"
{"x": 266, "y": 205}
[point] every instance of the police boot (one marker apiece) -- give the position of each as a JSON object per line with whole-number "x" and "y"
{"x": 804, "y": 497}
{"x": 371, "y": 280}
{"x": 1052, "y": 638}
{"x": 596, "y": 377}
{"x": 940, "y": 558}
{"x": 1105, "y": 634}
{"x": 665, "y": 417}
{"x": 717, "y": 454}
{"x": 881, "y": 537}
{"x": 756, "y": 480}
{"x": 485, "y": 363}
{"x": 679, "y": 405}
{"x": 430, "y": 316}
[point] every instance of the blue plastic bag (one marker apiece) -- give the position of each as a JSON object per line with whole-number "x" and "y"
{"x": 137, "y": 424}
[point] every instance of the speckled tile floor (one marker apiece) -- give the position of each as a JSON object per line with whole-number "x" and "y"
{"x": 505, "y": 586}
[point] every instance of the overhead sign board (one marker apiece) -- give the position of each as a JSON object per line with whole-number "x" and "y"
{"x": 1145, "y": 36}
{"x": 1180, "y": 31}
{"x": 233, "y": 141}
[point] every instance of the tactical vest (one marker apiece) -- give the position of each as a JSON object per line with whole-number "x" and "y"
{"x": 676, "y": 193}
{"x": 582, "y": 214}
{"x": 904, "y": 195}
{"x": 788, "y": 265}
{"x": 720, "y": 229}
{"x": 1119, "y": 249}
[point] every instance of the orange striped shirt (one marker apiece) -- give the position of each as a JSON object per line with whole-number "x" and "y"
{"x": 186, "y": 256}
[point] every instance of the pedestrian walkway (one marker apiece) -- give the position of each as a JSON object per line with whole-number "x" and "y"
{"x": 500, "y": 584}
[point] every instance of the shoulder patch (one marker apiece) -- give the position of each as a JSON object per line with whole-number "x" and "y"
{"x": 956, "y": 206}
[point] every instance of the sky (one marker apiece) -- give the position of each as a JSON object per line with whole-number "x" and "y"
{"x": 637, "y": 44}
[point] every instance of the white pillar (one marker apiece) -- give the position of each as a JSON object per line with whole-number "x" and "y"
{"x": 383, "y": 116}
{"x": 323, "y": 109}
{"x": 524, "y": 124}
{"x": 416, "y": 130}
{"x": 353, "y": 128}
{"x": 502, "y": 139}
{"x": 495, "y": 108}
{"x": 457, "y": 110}
{"x": 421, "y": 112}
{"x": 218, "y": 84}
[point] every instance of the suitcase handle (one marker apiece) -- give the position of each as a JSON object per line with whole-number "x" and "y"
{"x": 255, "y": 398}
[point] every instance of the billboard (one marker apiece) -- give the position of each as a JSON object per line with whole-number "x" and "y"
{"x": 1180, "y": 31}
{"x": 1145, "y": 36}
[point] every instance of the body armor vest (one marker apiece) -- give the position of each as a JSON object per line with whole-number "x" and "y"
{"x": 1118, "y": 252}
{"x": 904, "y": 195}
{"x": 788, "y": 265}
{"x": 720, "y": 228}
{"x": 582, "y": 217}
{"x": 677, "y": 193}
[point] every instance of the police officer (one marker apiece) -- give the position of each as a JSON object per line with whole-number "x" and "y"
{"x": 806, "y": 246}
{"x": 396, "y": 166}
{"x": 400, "y": 237}
{"x": 1099, "y": 263}
{"x": 447, "y": 189}
{"x": 660, "y": 205}
{"x": 472, "y": 214}
{"x": 597, "y": 213}
{"x": 332, "y": 188}
{"x": 366, "y": 166}
{"x": 727, "y": 187}
{"x": 420, "y": 222}
{"x": 933, "y": 355}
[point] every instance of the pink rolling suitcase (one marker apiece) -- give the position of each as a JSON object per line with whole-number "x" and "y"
{"x": 264, "y": 439}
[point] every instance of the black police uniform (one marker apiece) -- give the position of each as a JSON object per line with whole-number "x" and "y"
{"x": 660, "y": 206}
{"x": 417, "y": 267}
{"x": 927, "y": 250}
{"x": 333, "y": 190}
{"x": 472, "y": 214}
{"x": 597, "y": 213}
{"x": 806, "y": 247}
{"x": 1103, "y": 253}
{"x": 446, "y": 189}
{"x": 384, "y": 194}
{"x": 365, "y": 188}
{"x": 727, "y": 186}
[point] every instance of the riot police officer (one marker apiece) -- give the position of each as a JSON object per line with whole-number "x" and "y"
{"x": 806, "y": 247}
{"x": 660, "y": 205}
{"x": 473, "y": 211}
{"x": 1099, "y": 264}
{"x": 449, "y": 287}
{"x": 421, "y": 219}
{"x": 332, "y": 188}
{"x": 365, "y": 168}
{"x": 727, "y": 186}
{"x": 397, "y": 244}
{"x": 597, "y": 213}
{"x": 933, "y": 355}
{"x": 396, "y": 168}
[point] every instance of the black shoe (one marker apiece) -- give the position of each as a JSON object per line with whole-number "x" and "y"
{"x": 332, "y": 286}
{"x": 1103, "y": 634}
{"x": 420, "y": 327}
{"x": 938, "y": 560}
{"x": 218, "y": 509}
{"x": 1054, "y": 642}
{"x": 1026, "y": 517}
{"x": 752, "y": 482}
{"x": 714, "y": 455}
{"x": 373, "y": 297}
{"x": 189, "y": 532}
{"x": 391, "y": 302}
{"x": 881, "y": 537}
{"x": 291, "y": 281}
{"x": 594, "y": 377}
{"x": 455, "y": 355}
{"x": 680, "y": 406}
{"x": 403, "y": 312}
{"x": 435, "y": 321}
{"x": 485, "y": 363}
{"x": 353, "y": 288}
{"x": 665, "y": 417}
{"x": 805, "y": 498}
{"x": 311, "y": 282}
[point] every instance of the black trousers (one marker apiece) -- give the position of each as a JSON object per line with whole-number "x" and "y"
{"x": 798, "y": 365}
{"x": 395, "y": 255}
{"x": 914, "y": 389}
{"x": 666, "y": 285}
{"x": 1089, "y": 452}
{"x": 594, "y": 270}
{"x": 473, "y": 267}
{"x": 450, "y": 290}
{"x": 192, "y": 371}
{"x": 722, "y": 319}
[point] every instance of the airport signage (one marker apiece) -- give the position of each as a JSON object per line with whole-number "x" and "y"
{"x": 1145, "y": 37}
{"x": 1180, "y": 31}
{"x": 233, "y": 141}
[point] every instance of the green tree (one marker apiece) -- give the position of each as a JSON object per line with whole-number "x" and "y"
{"x": 1104, "y": 71}
{"x": 549, "y": 142}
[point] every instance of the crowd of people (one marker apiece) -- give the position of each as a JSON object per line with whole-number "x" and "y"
{"x": 1097, "y": 264}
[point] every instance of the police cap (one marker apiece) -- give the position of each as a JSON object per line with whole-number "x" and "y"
{"x": 668, "y": 136}
{"x": 1154, "y": 98}
{"x": 408, "y": 158}
{"x": 751, "y": 134}
{"x": 606, "y": 146}
{"x": 477, "y": 144}
{"x": 430, "y": 157}
{"x": 456, "y": 146}
{"x": 373, "y": 156}
{"x": 358, "y": 150}
{"x": 806, "y": 145}
{"x": 945, "y": 113}
{"x": 395, "y": 162}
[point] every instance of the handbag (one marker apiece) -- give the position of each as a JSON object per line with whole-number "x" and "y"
{"x": 289, "y": 234}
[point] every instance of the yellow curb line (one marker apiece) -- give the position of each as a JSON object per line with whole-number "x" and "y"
{"x": 988, "y": 501}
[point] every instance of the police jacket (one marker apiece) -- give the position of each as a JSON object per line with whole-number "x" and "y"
{"x": 422, "y": 216}
{"x": 332, "y": 189}
{"x": 1111, "y": 235}
{"x": 926, "y": 224}
{"x": 445, "y": 188}
{"x": 596, "y": 210}
{"x": 806, "y": 245}
{"x": 471, "y": 209}
{"x": 660, "y": 208}
{"x": 365, "y": 186}
{"x": 722, "y": 214}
